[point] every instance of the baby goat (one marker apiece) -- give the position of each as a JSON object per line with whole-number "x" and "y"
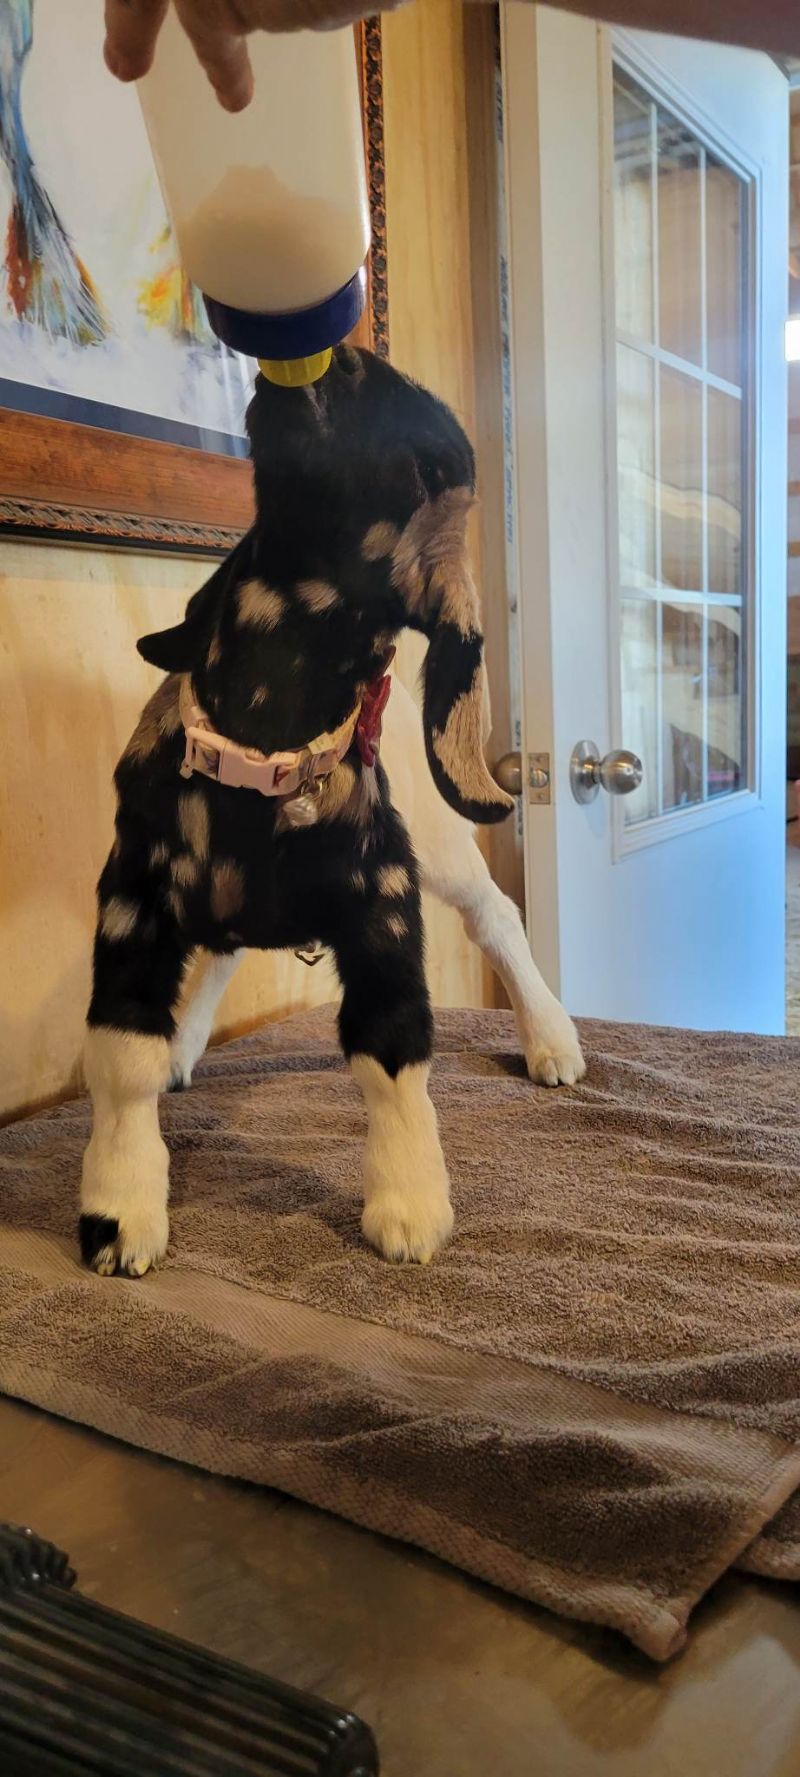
{"x": 253, "y": 811}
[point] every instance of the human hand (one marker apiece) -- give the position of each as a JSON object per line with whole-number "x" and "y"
{"x": 219, "y": 29}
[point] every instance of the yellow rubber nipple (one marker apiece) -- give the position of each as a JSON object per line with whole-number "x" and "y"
{"x": 296, "y": 373}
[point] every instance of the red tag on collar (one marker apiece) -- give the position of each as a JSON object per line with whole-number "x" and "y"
{"x": 370, "y": 721}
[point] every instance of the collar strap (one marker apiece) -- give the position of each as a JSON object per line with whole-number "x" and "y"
{"x": 245, "y": 768}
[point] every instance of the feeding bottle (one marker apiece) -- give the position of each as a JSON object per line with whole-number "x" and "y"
{"x": 269, "y": 205}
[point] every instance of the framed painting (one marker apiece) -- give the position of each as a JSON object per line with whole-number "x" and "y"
{"x": 121, "y": 415}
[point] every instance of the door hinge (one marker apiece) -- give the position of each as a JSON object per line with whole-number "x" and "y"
{"x": 539, "y": 778}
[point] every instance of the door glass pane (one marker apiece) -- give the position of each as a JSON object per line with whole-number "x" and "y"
{"x": 682, "y": 705}
{"x": 639, "y": 643}
{"x": 680, "y": 247}
{"x": 724, "y": 491}
{"x": 633, "y": 212}
{"x": 683, "y": 328}
{"x": 636, "y": 468}
{"x": 724, "y": 265}
{"x": 680, "y": 487}
{"x": 725, "y": 702}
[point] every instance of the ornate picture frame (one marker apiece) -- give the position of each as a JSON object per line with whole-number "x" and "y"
{"x": 68, "y": 482}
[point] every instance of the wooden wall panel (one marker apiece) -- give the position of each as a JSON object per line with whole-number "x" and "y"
{"x": 443, "y": 316}
{"x": 427, "y": 249}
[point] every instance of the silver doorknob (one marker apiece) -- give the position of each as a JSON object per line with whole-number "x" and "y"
{"x": 508, "y": 773}
{"x": 619, "y": 772}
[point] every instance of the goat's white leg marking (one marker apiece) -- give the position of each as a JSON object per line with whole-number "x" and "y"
{"x": 126, "y": 1166}
{"x": 407, "y": 1211}
{"x": 207, "y": 983}
{"x": 491, "y": 921}
{"x": 453, "y": 868}
{"x": 548, "y": 1036}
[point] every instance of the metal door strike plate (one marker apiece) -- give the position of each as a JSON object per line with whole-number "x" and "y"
{"x": 539, "y": 778}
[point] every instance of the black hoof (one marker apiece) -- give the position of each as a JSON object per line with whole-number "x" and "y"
{"x": 96, "y": 1235}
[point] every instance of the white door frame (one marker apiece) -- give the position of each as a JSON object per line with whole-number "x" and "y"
{"x": 550, "y": 466}
{"x": 530, "y": 517}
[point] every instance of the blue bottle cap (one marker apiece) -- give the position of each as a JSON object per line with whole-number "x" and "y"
{"x": 296, "y": 335}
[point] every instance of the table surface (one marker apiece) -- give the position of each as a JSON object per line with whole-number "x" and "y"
{"x": 457, "y": 1680}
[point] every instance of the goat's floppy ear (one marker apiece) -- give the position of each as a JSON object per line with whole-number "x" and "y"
{"x": 456, "y": 693}
{"x": 179, "y": 649}
{"x": 173, "y": 650}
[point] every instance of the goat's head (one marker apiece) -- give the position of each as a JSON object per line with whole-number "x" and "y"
{"x": 364, "y": 483}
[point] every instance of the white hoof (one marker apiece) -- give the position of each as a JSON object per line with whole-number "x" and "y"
{"x": 180, "y": 1072}
{"x": 186, "y": 1049}
{"x": 408, "y": 1225}
{"x": 553, "y": 1054}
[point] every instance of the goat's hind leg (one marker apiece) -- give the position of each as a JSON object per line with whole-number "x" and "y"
{"x": 204, "y": 989}
{"x": 455, "y": 871}
{"x": 452, "y": 868}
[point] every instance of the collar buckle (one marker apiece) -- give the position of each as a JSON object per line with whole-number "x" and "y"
{"x": 204, "y": 751}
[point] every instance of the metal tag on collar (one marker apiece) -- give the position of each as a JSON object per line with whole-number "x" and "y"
{"x": 312, "y": 954}
{"x": 302, "y": 810}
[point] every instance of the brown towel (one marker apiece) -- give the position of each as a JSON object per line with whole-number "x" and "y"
{"x": 591, "y": 1398}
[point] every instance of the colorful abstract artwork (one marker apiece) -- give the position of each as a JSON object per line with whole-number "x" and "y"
{"x": 121, "y": 416}
{"x": 98, "y": 322}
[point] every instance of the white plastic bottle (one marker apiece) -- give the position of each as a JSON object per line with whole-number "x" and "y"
{"x": 269, "y": 205}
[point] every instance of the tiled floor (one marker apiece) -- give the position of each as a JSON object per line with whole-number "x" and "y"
{"x": 793, "y": 933}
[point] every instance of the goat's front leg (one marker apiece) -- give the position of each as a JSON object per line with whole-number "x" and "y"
{"x": 386, "y": 1031}
{"x": 137, "y": 969}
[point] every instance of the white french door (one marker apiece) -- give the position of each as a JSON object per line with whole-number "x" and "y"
{"x": 646, "y": 184}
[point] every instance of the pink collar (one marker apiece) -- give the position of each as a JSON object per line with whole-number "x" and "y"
{"x": 280, "y": 774}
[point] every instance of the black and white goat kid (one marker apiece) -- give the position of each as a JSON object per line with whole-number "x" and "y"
{"x": 363, "y": 484}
